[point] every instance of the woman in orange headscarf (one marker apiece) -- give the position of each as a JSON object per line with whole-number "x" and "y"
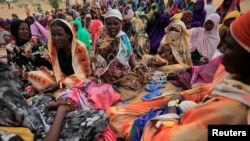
{"x": 69, "y": 59}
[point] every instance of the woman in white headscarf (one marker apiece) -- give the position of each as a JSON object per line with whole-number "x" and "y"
{"x": 114, "y": 54}
{"x": 87, "y": 22}
{"x": 204, "y": 41}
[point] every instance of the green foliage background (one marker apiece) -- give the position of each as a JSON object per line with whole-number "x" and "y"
{"x": 55, "y": 3}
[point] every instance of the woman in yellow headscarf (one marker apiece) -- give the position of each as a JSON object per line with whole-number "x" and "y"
{"x": 176, "y": 16}
{"x": 173, "y": 52}
{"x": 225, "y": 26}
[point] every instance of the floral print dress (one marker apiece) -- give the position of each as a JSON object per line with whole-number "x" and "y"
{"x": 28, "y": 57}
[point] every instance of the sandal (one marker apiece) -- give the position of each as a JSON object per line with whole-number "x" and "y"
{"x": 158, "y": 79}
{"x": 153, "y": 87}
{"x": 153, "y": 81}
{"x": 151, "y": 95}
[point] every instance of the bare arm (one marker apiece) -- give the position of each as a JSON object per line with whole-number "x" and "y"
{"x": 55, "y": 129}
{"x": 132, "y": 61}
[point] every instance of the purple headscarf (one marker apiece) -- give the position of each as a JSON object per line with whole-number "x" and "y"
{"x": 2, "y": 23}
{"x": 158, "y": 32}
{"x": 200, "y": 15}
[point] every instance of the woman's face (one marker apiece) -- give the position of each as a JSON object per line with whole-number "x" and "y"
{"x": 59, "y": 36}
{"x": 209, "y": 1}
{"x": 228, "y": 22}
{"x": 209, "y": 25}
{"x": 197, "y": 6}
{"x": 142, "y": 4}
{"x": 76, "y": 27}
{"x": 113, "y": 26}
{"x": 227, "y": 3}
{"x": 23, "y": 32}
{"x": 88, "y": 19}
{"x": 235, "y": 58}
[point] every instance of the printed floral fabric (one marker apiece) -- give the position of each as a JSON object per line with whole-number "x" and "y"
{"x": 28, "y": 57}
{"x": 112, "y": 56}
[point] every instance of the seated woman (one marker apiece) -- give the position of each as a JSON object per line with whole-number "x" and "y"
{"x": 26, "y": 53}
{"x": 226, "y": 7}
{"x": 230, "y": 88}
{"x": 43, "y": 118}
{"x": 199, "y": 14}
{"x": 195, "y": 76}
{"x": 114, "y": 58}
{"x": 224, "y": 27}
{"x": 157, "y": 32}
{"x": 37, "y": 29}
{"x": 173, "y": 52}
{"x": 69, "y": 58}
{"x": 187, "y": 17}
{"x": 204, "y": 41}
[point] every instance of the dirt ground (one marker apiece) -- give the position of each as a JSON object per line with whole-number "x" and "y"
{"x": 15, "y": 7}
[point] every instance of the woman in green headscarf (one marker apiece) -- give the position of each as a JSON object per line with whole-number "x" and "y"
{"x": 82, "y": 34}
{"x": 153, "y": 9}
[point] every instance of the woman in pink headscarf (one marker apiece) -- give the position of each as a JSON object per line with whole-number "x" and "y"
{"x": 204, "y": 41}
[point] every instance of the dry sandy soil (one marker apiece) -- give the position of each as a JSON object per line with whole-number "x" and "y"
{"x": 6, "y": 13}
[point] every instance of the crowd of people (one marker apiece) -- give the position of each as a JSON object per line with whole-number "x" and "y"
{"x": 68, "y": 73}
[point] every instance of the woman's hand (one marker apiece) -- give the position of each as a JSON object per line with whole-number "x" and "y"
{"x": 51, "y": 88}
{"x": 204, "y": 59}
{"x": 64, "y": 104}
{"x": 158, "y": 61}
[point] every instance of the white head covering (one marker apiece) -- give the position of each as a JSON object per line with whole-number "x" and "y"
{"x": 113, "y": 13}
{"x": 206, "y": 42}
{"x": 88, "y": 16}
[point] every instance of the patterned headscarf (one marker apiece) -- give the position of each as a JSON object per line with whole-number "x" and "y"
{"x": 187, "y": 17}
{"x": 80, "y": 57}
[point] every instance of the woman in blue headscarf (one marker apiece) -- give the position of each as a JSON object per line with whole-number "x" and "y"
{"x": 142, "y": 7}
